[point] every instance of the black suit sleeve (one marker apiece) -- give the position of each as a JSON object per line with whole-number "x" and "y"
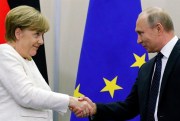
{"x": 118, "y": 111}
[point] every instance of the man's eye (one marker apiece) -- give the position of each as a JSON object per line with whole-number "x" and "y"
{"x": 140, "y": 33}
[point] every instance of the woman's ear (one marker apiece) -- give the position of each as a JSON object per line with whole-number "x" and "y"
{"x": 18, "y": 33}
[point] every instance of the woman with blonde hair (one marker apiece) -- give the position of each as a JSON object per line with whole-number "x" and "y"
{"x": 24, "y": 94}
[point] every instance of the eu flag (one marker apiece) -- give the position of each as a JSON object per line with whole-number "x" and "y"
{"x": 110, "y": 56}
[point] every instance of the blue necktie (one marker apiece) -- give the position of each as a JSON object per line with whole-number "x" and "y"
{"x": 154, "y": 88}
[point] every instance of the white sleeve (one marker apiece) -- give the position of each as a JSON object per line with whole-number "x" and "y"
{"x": 22, "y": 89}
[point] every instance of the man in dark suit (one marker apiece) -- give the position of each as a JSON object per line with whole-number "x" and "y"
{"x": 155, "y": 33}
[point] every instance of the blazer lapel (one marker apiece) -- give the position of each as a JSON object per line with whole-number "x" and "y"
{"x": 170, "y": 64}
{"x": 148, "y": 77}
{"x": 147, "y": 82}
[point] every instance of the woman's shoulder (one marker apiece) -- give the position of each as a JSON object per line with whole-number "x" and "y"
{"x": 7, "y": 51}
{"x": 5, "y": 47}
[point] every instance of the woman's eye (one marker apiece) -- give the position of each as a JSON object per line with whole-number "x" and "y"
{"x": 38, "y": 34}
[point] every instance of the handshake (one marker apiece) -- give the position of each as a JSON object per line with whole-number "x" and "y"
{"x": 82, "y": 107}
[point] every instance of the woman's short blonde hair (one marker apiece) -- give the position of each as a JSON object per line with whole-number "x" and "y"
{"x": 24, "y": 17}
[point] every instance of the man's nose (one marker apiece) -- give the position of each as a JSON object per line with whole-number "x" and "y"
{"x": 139, "y": 40}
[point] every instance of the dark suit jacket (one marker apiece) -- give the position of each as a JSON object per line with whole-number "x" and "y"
{"x": 136, "y": 102}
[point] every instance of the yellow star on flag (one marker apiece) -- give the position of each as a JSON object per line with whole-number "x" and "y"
{"x": 139, "y": 60}
{"x": 111, "y": 86}
{"x": 77, "y": 93}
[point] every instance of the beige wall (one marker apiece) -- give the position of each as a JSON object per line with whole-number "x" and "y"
{"x": 71, "y": 24}
{"x": 72, "y": 15}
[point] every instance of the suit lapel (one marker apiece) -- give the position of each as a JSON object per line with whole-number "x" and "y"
{"x": 148, "y": 77}
{"x": 170, "y": 64}
{"x": 147, "y": 82}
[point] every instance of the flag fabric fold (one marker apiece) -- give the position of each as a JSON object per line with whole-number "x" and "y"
{"x": 4, "y": 8}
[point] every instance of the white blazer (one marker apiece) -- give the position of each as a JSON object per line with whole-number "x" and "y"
{"x": 24, "y": 94}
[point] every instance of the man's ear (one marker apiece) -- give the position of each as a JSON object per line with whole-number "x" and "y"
{"x": 18, "y": 33}
{"x": 159, "y": 28}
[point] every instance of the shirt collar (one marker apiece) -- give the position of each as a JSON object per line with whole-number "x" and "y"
{"x": 166, "y": 50}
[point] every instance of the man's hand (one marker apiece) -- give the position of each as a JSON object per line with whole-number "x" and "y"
{"x": 80, "y": 107}
{"x": 93, "y": 105}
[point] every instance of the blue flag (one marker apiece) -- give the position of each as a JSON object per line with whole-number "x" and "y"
{"x": 110, "y": 56}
